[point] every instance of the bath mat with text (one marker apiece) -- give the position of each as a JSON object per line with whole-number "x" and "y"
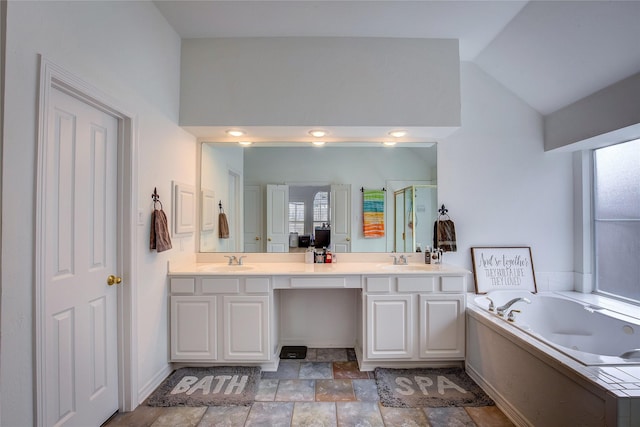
{"x": 428, "y": 387}
{"x": 215, "y": 386}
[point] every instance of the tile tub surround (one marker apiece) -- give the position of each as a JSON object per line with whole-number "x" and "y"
{"x": 340, "y": 400}
{"x": 515, "y": 369}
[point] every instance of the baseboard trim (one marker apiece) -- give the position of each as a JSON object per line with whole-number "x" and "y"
{"x": 155, "y": 381}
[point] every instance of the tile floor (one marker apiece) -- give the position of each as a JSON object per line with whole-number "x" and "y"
{"x": 325, "y": 389}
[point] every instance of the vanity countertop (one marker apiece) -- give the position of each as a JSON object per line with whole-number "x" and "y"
{"x": 302, "y": 269}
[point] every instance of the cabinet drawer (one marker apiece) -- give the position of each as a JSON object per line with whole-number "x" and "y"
{"x": 452, "y": 284}
{"x": 378, "y": 284}
{"x": 220, "y": 286}
{"x": 183, "y": 285}
{"x": 256, "y": 285}
{"x": 416, "y": 284}
{"x": 319, "y": 282}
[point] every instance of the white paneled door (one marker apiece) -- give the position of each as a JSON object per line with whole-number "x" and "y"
{"x": 80, "y": 237}
{"x": 277, "y": 218}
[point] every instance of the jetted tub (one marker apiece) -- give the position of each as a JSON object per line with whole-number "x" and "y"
{"x": 590, "y": 334}
{"x": 567, "y": 359}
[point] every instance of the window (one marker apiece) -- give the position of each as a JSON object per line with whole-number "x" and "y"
{"x": 320, "y": 209}
{"x": 296, "y": 217}
{"x": 617, "y": 220}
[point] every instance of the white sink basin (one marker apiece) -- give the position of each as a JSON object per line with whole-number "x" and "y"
{"x": 225, "y": 268}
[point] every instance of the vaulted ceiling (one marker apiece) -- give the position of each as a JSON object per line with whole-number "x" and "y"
{"x": 549, "y": 53}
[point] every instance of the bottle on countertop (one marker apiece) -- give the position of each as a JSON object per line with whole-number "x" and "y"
{"x": 328, "y": 257}
{"x": 309, "y": 256}
{"x": 427, "y": 255}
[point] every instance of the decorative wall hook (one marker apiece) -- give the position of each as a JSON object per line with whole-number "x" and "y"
{"x": 156, "y": 197}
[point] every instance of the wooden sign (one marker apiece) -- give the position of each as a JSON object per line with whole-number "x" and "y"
{"x": 503, "y": 268}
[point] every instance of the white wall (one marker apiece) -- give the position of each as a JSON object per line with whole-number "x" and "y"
{"x": 302, "y": 81}
{"x": 127, "y": 50}
{"x": 501, "y": 187}
{"x": 215, "y": 177}
{"x": 606, "y": 117}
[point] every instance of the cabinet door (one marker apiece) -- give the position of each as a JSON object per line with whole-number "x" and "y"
{"x": 389, "y": 326}
{"x": 193, "y": 328}
{"x": 246, "y": 327}
{"x": 441, "y": 326}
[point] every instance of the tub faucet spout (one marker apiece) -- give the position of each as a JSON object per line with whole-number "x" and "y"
{"x": 501, "y": 310}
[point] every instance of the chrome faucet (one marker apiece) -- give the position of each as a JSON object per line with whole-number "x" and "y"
{"x": 502, "y": 309}
{"x": 233, "y": 259}
{"x": 401, "y": 260}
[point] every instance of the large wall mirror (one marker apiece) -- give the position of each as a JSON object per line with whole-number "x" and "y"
{"x": 279, "y": 198}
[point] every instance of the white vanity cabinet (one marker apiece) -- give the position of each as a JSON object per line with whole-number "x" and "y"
{"x": 413, "y": 318}
{"x": 220, "y": 319}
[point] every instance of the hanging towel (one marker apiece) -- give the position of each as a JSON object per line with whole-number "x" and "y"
{"x": 223, "y": 226}
{"x": 373, "y": 213}
{"x": 444, "y": 235}
{"x": 159, "y": 237}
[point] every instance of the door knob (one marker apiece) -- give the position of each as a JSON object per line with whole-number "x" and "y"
{"x": 269, "y": 239}
{"x": 113, "y": 280}
{"x": 348, "y": 239}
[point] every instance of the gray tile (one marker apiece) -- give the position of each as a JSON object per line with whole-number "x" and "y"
{"x": 270, "y": 414}
{"x": 403, "y": 417}
{"x": 180, "y": 417}
{"x": 316, "y": 414}
{"x": 296, "y": 391}
{"x": 448, "y": 417}
{"x": 225, "y": 416}
{"x": 332, "y": 355}
{"x": 316, "y": 371}
{"x": 366, "y": 390}
{"x": 361, "y": 414}
{"x": 488, "y": 416}
{"x": 143, "y": 416}
{"x": 267, "y": 391}
{"x": 288, "y": 369}
{"x": 311, "y": 355}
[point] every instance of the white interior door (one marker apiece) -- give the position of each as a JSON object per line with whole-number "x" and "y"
{"x": 341, "y": 217}
{"x": 277, "y": 218}
{"x": 80, "y": 231}
{"x": 253, "y": 219}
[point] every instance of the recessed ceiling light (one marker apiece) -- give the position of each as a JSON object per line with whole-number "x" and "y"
{"x": 245, "y": 142}
{"x": 389, "y": 143}
{"x": 235, "y": 132}
{"x": 398, "y": 133}
{"x": 318, "y": 133}
{"x": 318, "y": 143}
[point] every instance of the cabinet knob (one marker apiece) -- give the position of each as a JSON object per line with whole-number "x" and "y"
{"x": 257, "y": 238}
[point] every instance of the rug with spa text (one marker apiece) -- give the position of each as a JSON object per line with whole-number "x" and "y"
{"x": 428, "y": 388}
{"x": 215, "y": 386}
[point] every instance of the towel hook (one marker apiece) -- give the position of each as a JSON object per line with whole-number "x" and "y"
{"x": 443, "y": 211}
{"x": 220, "y": 206}
{"x": 156, "y": 197}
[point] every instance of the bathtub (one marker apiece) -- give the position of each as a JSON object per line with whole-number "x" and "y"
{"x": 588, "y": 333}
{"x": 567, "y": 359}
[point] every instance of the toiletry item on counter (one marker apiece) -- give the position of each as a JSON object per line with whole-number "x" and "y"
{"x": 328, "y": 257}
{"x": 427, "y": 255}
{"x": 319, "y": 256}
{"x": 309, "y": 256}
